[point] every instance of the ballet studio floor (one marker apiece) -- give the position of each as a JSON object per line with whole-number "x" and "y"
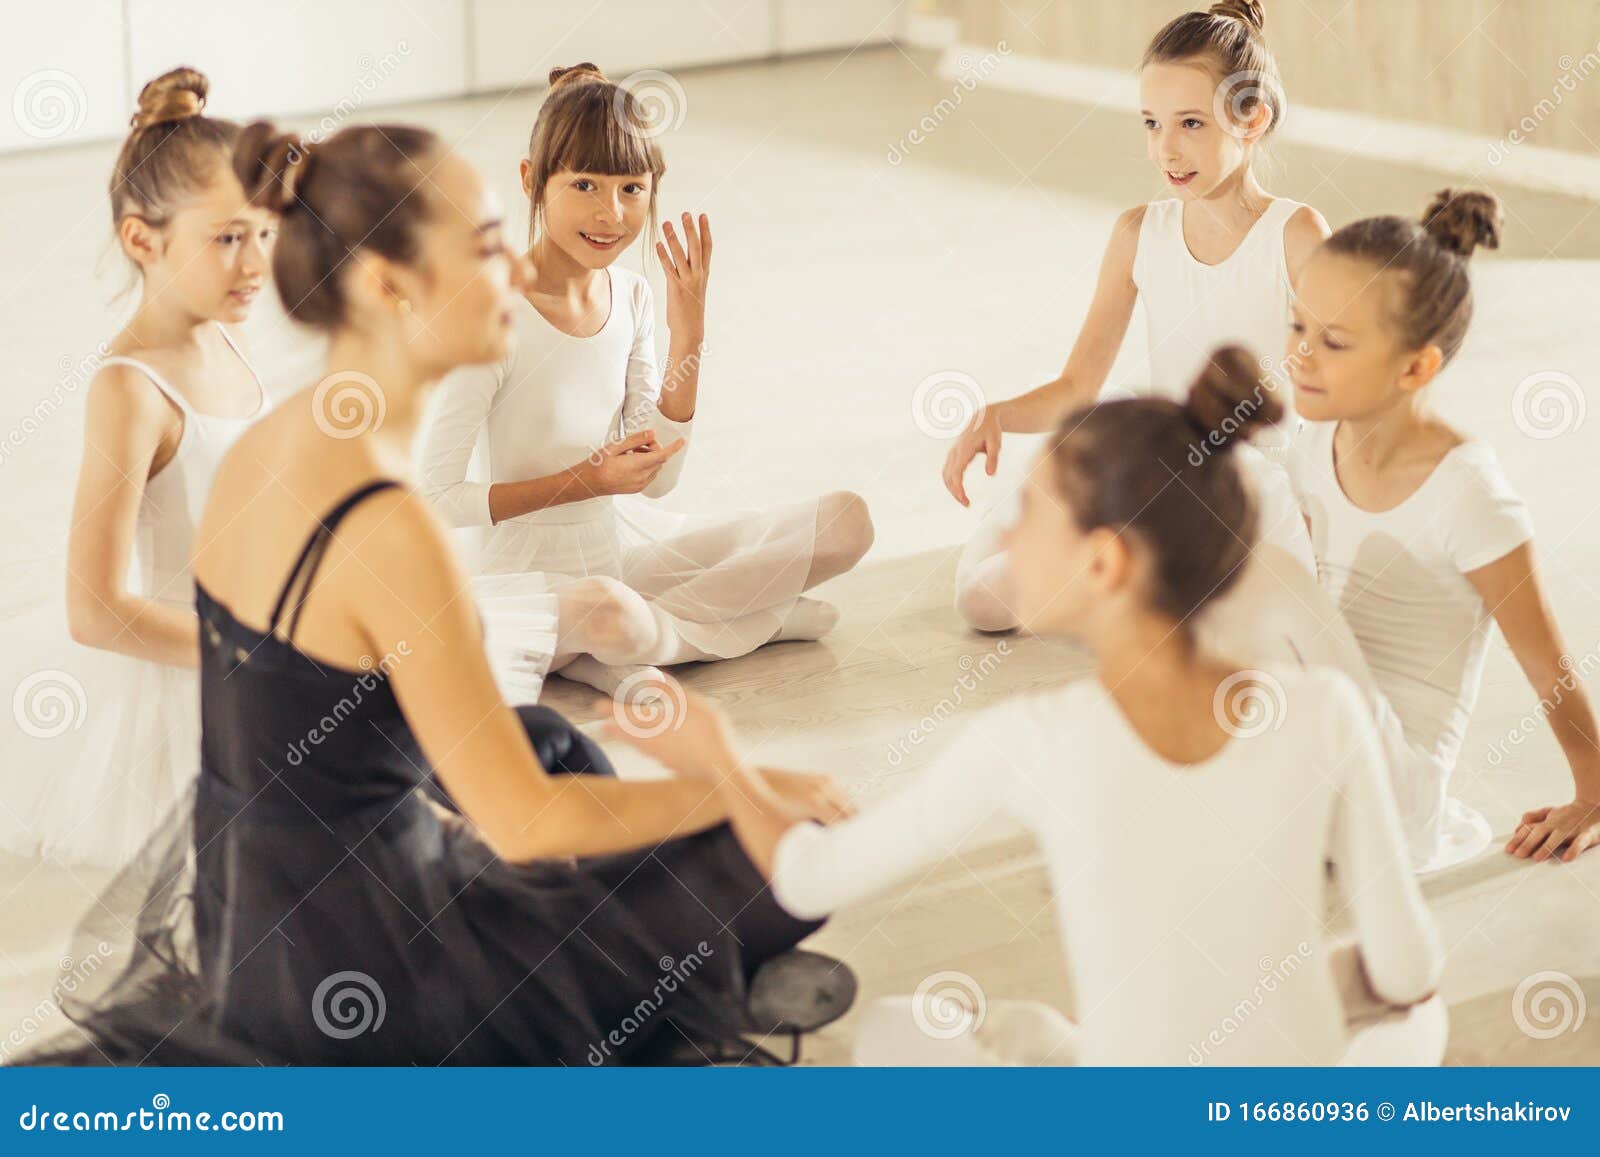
{"x": 842, "y": 281}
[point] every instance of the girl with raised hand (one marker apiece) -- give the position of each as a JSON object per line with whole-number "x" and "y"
{"x": 341, "y": 670}
{"x": 1212, "y": 264}
{"x": 1420, "y": 539}
{"x": 581, "y": 426}
{"x": 163, "y": 407}
{"x": 1186, "y": 807}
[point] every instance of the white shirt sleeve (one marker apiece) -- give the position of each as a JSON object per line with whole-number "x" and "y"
{"x": 816, "y": 870}
{"x": 1486, "y": 519}
{"x": 460, "y": 414}
{"x": 639, "y": 404}
{"x": 1399, "y": 943}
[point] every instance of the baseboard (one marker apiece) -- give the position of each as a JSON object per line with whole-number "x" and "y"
{"x": 1474, "y": 157}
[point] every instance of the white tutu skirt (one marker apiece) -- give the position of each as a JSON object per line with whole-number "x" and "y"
{"x": 727, "y": 585}
{"x": 102, "y": 746}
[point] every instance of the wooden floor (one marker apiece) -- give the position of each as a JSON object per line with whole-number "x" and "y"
{"x": 843, "y": 281}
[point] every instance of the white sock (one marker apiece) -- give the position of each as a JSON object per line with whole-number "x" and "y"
{"x": 808, "y": 619}
{"x": 607, "y": 677}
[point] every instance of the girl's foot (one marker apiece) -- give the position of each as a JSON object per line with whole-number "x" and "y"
{"x": 610, "y": 677}
{"x": 807, "y": 620}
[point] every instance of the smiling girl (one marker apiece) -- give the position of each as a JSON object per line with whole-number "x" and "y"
{"x": 1419, "y": 537}
{"x": 581, "y": 423}
{"x": 1212, "y": 264}
{"x": 161, "y": 411}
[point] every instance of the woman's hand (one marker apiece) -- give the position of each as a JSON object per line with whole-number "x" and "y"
{"x": 810, "y": 796}
{"x": 688, "y": 268}
{"x": 1544, "y": 831}
{"x": 982, "y": 436}
{"x": 626, "y": 466}
{"x": 679, "y": 729}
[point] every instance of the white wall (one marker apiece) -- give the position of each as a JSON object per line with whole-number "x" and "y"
{"x": 73, "y": 68}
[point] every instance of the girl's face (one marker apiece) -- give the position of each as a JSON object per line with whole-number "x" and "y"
{"x": 1343, "y": 355}
{"x": 462, "y": 287}
{"x": 212, "y": 257}
{"x": 593, "y": 217}
{"x": 1053, "y": 574}
{"x": 1195, "y": 150}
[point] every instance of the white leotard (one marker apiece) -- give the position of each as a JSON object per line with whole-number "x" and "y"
{"x": 1183, "y": 893}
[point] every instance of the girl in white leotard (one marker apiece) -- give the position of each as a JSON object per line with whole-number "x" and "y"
{"x": 1211, "y": 265}
{"x": 581, "y": 430}
{"x": 1186, "y": 806}
{"x": 1420, "y": 539}
{"x": 108, "y": 715}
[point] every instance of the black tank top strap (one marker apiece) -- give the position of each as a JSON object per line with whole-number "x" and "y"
{"x": 310, "y": 557}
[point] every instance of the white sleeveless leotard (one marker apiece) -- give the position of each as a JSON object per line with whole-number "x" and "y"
{"x": 106, "y": 743}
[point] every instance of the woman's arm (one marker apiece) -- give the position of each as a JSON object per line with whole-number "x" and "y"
{"x": 1510, "y": 588}
{"x": 815, "y": 870}
{"x": 126, "y": 423}
{"x": 1400, "y": 950}
{"x": 423, "y": 613}
{"x": 1079, "y": 382}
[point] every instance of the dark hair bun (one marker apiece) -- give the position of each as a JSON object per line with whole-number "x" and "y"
{"x": 575, "y": 74}
{"x": 1460, "y": 220}
{"x": 172, "y": 96}
{"x": 1247, "y": 11}
{"x": 271, "y": 165}
{"x": 1231, "y": 399}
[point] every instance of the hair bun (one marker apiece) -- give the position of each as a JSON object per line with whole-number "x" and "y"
{"x": 1247, "y": 11}
{"x": 1460, "y": 220}
{"x": 271, "y": 165}
{"x": 575, "y": 74}
{"x": 172, "y": 96}
{"x": 1230, "y": 398}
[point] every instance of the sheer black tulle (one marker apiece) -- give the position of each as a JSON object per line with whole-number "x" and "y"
{"x": 315, "y": 903}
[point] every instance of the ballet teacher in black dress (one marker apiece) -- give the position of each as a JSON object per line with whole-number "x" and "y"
{"x": 315, "y": 906}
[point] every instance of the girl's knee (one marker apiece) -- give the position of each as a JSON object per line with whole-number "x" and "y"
{"x": 844, "y": 528}
{"x": 981, "y": 608}
{"x": 603, "y": 614}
